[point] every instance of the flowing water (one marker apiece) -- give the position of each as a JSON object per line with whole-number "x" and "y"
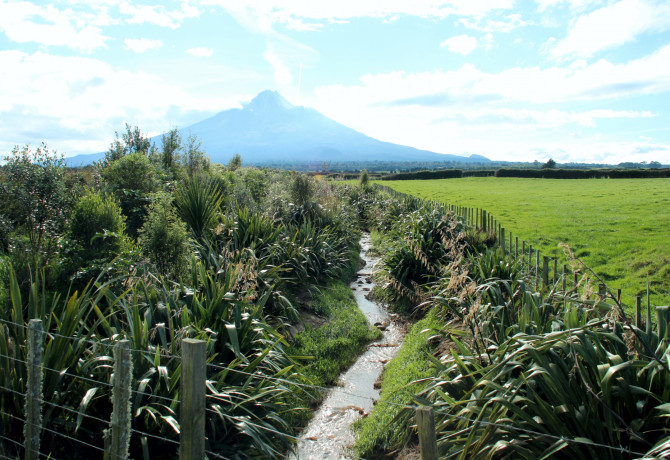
{"x": 328, "y": 435}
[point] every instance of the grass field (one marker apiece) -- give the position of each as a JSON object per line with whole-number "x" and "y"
{"x": 618, "y": 227}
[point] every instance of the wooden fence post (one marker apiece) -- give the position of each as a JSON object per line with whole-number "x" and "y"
{"x": 425, "y": 425}
{"x": 192, "y": 418}
{"x": 120, "y": 422}
{"x": 502, "y": 239}
{"x": 545, "y": 271}
{"x": 537, "y": 268}
{"x": 33, "y": 426}
{"x": 516, "y": 247}
{"x": 564, "y": 275}
{"x": 555, "y": 270}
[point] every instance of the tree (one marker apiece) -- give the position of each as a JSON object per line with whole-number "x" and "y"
{"x": 235, "y": 162}
{"x": 131, "y": 179}
{"x": 195, "y": 158}
{"x": 34, "y": 197}
{"x": 97, "y": 227}
{"x": 171, "y": 146}
{"x": 132, "y": 141}
{"x": 364, "y": 179}
{"x": 164, "y": 238}
{"x": 550, "y": 164}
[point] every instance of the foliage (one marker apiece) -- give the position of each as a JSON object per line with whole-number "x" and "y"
{"x": 97, "y": 226}
{"x": 132, "y": 141}
{"x": 171, "y": 145}
{"x": 235, "y": 162}
{"x": 364, "y": 179}
{"x": 34, "y": 199}
{"x": 131, "y": 179}
{"x": 550, "y": 164}
{"x": 198, "y": 201}
{"x": 194, "y": 157}
{"x": 164, "y": 238}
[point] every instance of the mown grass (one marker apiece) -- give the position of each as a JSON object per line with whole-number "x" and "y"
{"x": 618, "y": 227}
{"x": 380, "y": 430}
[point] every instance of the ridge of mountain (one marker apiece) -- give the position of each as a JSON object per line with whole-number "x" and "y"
{"x": 269, "y": 129}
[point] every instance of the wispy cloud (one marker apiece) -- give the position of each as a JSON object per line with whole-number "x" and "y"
{"x": 158, "y": 14}
{"x": 611, "y": 26}
{"x": 200, "y": 51}
{"x": 461, "y": 44}
{"x": 141, "y": 45}
{"x": 25, "y": 22}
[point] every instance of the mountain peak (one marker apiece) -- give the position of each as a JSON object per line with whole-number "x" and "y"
{"x": 268, "y": 100}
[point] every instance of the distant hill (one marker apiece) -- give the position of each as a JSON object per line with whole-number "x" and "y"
{"x": 269, "y": 129}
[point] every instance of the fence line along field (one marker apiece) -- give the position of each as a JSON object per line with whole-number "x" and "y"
{"x": 619, "y": 227}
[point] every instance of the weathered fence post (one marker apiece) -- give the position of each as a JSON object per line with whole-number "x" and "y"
{"x": 516, "y": 247}
{"x": 192, "y": 419}
{"x": 425, "y": 425}
{"x": 638, "y": 310}
{"x": 530, "y": 259}
{"x": 483, "y": 219}
{"x": 33, "y": 426}
{"x": 555, "y": 270}
{"x": 502, "y": 239}
{"x": 537, "y": 268}
{"x": 564, "y": 276}
{"x": 545, "y": 271}
{"x": 120, "y": 423}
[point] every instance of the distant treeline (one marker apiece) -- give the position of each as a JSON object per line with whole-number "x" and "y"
{"x": 527, "y": 173}
{"x": 584, "y": 173}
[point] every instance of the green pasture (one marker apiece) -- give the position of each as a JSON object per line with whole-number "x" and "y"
{"x": 618, "y": 227}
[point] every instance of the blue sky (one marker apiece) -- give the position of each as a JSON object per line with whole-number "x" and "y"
{"x": 574, "y": 80}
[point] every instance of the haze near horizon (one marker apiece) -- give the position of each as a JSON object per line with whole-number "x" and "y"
{"x": 509, "y": 80}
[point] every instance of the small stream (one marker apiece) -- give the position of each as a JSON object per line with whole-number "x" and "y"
{"x": 328, "y": 435}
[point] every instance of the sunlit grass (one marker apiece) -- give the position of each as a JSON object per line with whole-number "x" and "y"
{"x": 618, "y": 227}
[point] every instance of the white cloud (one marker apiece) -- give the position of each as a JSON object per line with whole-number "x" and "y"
{"x": 158, "y": 14}
{"x": 85, "y": 98}
{"x": 507, "y": 114}
{"x": 612, "y": 25}
{"x": 142, "y": 45}
{"x": 200, "y": 51}
{"x": 26, "y": 22}
{"x": 282, "y": 73}
{"x": 279, "y": 11}
{"x": 507, "y": 24}
{"x": 461, "y": 44}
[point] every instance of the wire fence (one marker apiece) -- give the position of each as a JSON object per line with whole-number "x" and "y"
{"x": 61, "y": 417}
{"x": 101, "y": 445}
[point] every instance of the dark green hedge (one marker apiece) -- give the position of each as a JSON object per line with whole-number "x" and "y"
{"x": 584, "y": 173}
{"x": 437, "y": 174}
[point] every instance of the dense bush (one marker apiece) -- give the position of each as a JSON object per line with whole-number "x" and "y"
{"x": 131, "y": 179}
{"x": 164, "y": 238}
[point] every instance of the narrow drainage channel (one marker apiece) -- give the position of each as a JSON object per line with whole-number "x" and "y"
{"x": 328, "y": 434}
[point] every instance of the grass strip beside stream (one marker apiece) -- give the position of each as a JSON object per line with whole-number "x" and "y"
{"x": 334, "y": 345}
{"x": 382, "y": 431}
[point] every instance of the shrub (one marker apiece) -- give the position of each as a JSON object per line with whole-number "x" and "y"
{"x": 97, "y": 226}
{"x": 164, "y": 238}
{"x": 131, "y": 179}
